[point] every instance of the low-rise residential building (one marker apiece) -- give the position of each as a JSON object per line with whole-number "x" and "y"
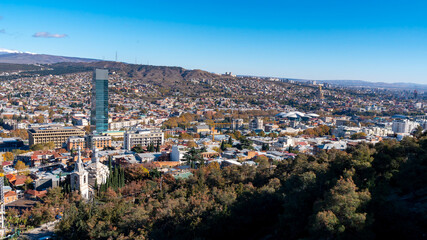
{"x": 10, "y": 197}
{"x": 148, "y": 157}
{"x": 202, "y": 129}
{"x": 9, "y": 144}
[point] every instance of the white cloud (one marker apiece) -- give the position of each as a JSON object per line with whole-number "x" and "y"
{"x": 48, "y": 35}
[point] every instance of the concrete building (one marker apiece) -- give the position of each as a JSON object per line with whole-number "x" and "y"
{"x": 148, "y": 157}
{"x": 143, "y": 137}
{"x": 377, "y": 131}
{"x": 237, "y": 124}
{"x": 271, "y": 127}
{"x": 98, "y": 141}
{"x": 9, "y": 144}
{"x": 403, "y": 126}
{"x": 285, "y": 142}
{"x": 257, "y": 124}
{"x": 127, "y": 124}
{"x": 203, "y": 129}
{"x": 263, "y": 140}
{"x": 53, "y": 133}
{"x": 76, "y": 142}
{"x": 177, "y": 153}
{"x": 99, "y": 101}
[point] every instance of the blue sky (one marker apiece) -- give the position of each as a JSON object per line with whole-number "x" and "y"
{"x": 367, "y": 40}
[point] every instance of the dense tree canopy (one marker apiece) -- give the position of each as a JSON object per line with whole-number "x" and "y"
{"x": 366, "y": 192}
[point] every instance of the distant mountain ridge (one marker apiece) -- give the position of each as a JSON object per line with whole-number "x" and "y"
{"x": 19, "y": 57}
{"x": 358, "y": 83}
{"x": 168, "y": 74}
{"x": 367, "y": 84}
{"x": 164, "y": 74}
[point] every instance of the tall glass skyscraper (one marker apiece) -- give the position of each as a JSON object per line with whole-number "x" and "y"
{"x": 99, "y": 108}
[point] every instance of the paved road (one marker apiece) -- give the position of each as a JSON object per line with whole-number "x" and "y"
{"x": 44, "y": 230}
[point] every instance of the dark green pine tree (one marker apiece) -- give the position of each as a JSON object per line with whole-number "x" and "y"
{"x": 110, "y": 165}
{"x": 223, "y": 148}
{"x": 119, "y": 180}
{"x": 151, "y": 147}
{"x": 115, "y": 178}
{"x": 123, "y": 177}
{"x": 265, "y": 147}
{"x": 158, "y": 147}
{"x": 230, "y": 141}
{"x": 96, "y": 185}
{"x": 6, "y": 181}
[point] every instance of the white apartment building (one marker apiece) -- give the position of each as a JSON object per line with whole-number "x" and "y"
{"x": 403, "y": 126}
{"x": 257, "y": 123}
{"x": 177, "y": 153}
{"x": 143, "y": 137}
{"x": 127, "y": 124}
{"x": 377, "y": 131}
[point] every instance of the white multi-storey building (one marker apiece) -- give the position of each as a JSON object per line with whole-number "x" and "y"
{"x": 256, "y": 124}
{"x": 403, "y": 126}
{"x": 143, "y": 137}
{"x": 176, "y": 154}
{"x": 128, "y": 124}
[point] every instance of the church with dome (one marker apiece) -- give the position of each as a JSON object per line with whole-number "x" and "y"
{"x": 98, "y": 172}
{"x": 83, "y": 178}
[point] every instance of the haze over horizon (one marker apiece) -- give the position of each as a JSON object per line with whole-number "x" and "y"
{"x": 378, "y": 42}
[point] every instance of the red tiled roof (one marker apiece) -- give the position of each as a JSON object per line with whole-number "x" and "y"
{"x": 6, "y": 163}
{"x": 10, "y": 177}
{"x": 36, "y": 193}
{"x": 10, "y": 194}
{"x": 20, "y": 180}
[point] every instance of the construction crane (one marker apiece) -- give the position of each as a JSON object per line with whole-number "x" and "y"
{"x": 214, "y": 125}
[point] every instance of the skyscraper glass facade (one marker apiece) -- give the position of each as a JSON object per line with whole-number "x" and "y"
{"x": 99, "y": 109}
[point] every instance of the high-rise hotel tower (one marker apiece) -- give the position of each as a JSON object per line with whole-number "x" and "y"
{"x": 99, "y": 109}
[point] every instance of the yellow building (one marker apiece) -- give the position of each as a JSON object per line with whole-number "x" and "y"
{"x": 53, "y": 133}
{"x": 98, "y": 141}
{"x": 75, "y": 142}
